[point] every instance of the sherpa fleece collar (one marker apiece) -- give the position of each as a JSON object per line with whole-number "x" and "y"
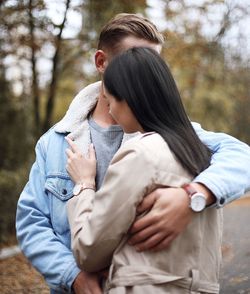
{"x": 79, "y": 109}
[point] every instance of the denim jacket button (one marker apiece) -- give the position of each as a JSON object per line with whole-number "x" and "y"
{"x": 64, "y": 191}
{"x": 222, "y": 200}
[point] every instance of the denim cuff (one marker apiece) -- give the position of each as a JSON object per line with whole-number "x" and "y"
{"x": 221, "y": 198}
{"x": 69, "y": 277}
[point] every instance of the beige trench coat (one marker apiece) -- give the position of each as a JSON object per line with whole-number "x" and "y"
{"x": 100, "y": 221}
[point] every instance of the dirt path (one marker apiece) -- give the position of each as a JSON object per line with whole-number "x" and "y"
{"x": 18, "y": 277}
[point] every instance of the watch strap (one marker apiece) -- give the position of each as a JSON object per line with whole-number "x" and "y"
{"x": 189, "y": 189}
{"x": 82, "y": 186}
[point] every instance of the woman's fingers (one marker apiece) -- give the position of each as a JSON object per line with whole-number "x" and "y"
{"x": 72, "y": 145}
{"x": 82, "y": 169}
{"x": 75, "y": 149}
{"x": 69, "y": 153}
{"x": 92, "y": 152}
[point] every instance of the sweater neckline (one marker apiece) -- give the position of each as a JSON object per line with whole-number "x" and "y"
{"x": 97, "y": 127}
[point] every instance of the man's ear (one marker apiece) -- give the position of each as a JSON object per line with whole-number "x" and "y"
{"x": 101, "y": 61}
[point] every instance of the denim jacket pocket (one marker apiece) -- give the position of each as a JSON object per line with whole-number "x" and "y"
{"x": 60, "y": 186}
{"x": 59, "y": 189}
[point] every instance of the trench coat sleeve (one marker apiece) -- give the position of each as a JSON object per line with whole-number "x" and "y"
{"x": 98, "y": 221}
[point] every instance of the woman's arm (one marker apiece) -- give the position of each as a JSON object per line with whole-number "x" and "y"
{"x": 98, "y": 221}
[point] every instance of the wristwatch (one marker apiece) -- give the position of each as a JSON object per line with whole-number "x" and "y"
{"x": 82, "y": 186}
{"x": 197, "y": 199}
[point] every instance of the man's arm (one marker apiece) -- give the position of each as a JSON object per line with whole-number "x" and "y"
{"x": 44, "y": 249}
{"x": 226, "y": 179}
{"x": 228, "y": 176}
{"x": 86, "y": 283}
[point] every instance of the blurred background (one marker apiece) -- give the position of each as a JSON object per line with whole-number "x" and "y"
{"x": 46, "y": 56}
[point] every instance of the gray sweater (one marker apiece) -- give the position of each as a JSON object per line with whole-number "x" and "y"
{"x": 106, "y": 142}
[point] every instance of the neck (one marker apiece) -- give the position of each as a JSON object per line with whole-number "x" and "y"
{"x": 101, "y": 113}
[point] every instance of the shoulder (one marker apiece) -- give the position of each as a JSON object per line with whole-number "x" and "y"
{"x": 50, "y": 139}
{"x": 151, "y": 143}
{"x": 148, "y": 147}
{"x": 51, "y": 134}
{"x": 151, "y": 150}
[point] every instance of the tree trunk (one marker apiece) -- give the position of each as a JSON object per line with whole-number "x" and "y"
{"x": 35, "y": 88}
{"x": 55, "y": 75}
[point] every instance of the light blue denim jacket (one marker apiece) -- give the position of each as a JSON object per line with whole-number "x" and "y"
{"x": 41, "y": 221}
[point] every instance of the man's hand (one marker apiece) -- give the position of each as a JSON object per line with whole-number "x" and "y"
{"x": 168, "y": 217}
{"x": 86, "y": 283}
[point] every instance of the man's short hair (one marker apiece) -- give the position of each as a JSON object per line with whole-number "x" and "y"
{"x": 125, "y": 24}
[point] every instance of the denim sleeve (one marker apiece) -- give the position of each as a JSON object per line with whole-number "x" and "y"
{"x": 36, "y": 237}
{"x": 228, "y": 176}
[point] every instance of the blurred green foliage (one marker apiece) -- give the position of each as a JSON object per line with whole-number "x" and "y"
{"x": 15, "y": 149}
{"x": 11, "y": 184}
{"x": 15, "y": 129}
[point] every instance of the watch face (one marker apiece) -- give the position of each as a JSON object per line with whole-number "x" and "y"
{"x": 77, "y": 189}
{"x": 198, "y": 202}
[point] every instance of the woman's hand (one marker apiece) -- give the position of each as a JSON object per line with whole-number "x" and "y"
{"x": 82, "y": 169}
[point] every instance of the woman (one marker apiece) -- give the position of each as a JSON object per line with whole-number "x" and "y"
{"x": 143, "y": 97}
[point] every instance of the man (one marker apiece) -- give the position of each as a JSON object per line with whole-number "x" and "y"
{"x": 42, "y": 225}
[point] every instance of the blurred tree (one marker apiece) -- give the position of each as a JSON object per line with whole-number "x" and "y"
{"x": 204, "y": 65}
{"x": 55, "y": 70}
{"x": 240, "y": 81}
{"x": 14, "y": 127}
{"x": 97, "y": 13}
{"x": 20, "y": 48}
{"x": 15, "y": 145}
{"x": 200, "y": 69}
{"x": 27, "y": 32}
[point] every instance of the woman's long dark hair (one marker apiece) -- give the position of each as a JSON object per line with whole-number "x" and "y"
{"x": 142, "y": 78}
